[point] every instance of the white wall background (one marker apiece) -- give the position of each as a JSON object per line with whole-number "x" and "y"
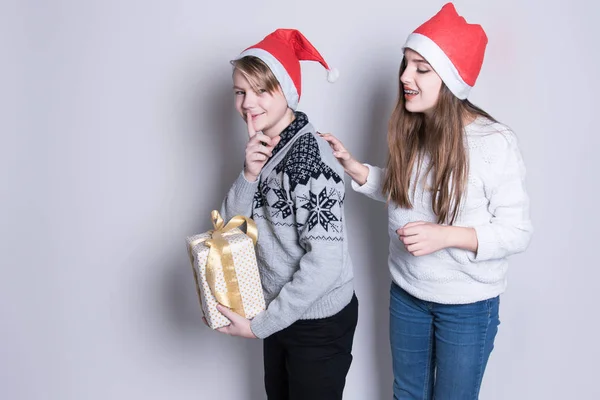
{"x": 119, "y": 138}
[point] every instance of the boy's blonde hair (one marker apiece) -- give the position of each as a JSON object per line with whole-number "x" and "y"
{"x": 258, "y": 74}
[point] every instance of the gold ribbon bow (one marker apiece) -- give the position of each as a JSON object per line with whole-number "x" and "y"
{"x": 221, "y": 258}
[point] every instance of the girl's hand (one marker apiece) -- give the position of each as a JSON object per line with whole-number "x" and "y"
{"x": 339, "y": 151}
{"x": 357, "y": 171}
{"x": 421, "y": 238}
{"x": 258, "y": 151}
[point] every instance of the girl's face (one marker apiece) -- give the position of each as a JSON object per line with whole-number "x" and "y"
{"x": 421, "y": 84}
{"x": 268, "y": 111}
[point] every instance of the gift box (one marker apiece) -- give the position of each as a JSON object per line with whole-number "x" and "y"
{"x": 225, "y": 269}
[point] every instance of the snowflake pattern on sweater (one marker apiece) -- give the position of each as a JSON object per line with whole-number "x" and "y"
{"x": 302, "y": 190}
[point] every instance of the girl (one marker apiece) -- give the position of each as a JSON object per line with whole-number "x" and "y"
{"x": 293, "y": 188}
{"x": 454, "y": 183}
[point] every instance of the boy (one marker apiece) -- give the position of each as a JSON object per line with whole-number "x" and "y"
{"x": 293, "y": 188}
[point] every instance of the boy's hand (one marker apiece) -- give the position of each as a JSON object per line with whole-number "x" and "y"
{"x": 239, "y": 326}
{"x": 258, "y": 151}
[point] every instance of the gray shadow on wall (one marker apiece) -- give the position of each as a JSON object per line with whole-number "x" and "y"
{"x": 216, "y": 126}
{"x": 373, "y": 220}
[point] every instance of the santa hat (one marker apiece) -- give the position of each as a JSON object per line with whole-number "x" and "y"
{"x": 453, "y": 47}
{"x": 282, "y": 51}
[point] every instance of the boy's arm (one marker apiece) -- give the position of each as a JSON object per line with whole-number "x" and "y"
{"x": 319, "y": 211}
{"x": 239, "y": 198}
{"x": 258, "y": 150}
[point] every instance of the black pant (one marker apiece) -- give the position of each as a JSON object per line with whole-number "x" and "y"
{"x": 309, "y": 360}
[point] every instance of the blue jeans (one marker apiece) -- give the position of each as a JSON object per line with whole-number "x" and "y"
{"x": 440, "y": 351}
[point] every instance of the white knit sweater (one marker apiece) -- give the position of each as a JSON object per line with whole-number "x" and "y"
{"x": 496, "y": 204}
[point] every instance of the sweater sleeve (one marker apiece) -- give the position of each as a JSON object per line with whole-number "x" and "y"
{"x": 373, "y": 186}
{"x": 317, "y": 193}
{"x": 509, "y": 230}
{"x": 239, "y": 198}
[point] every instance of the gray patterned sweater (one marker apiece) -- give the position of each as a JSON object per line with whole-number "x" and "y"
{"x": 302, "y": 250}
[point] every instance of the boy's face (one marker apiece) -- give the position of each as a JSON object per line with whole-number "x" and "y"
{"x": 268, "y": 110}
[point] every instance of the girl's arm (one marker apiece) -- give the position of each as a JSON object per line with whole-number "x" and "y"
{"x": 366, "y": 179}
{"x": 357, "y": 171}
{"x": 509, "y": 229}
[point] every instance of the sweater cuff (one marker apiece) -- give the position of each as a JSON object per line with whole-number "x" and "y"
{"x": 244, "y": 188}
{"x": 261, "y": 327}
{"x": 372, "y": 184}
{"x": 486, "y": 241}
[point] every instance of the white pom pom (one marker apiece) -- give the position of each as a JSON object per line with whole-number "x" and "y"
{"x": 332, "y": 75}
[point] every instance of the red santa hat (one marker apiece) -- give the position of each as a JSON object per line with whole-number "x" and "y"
{"x": 453, "y": 48}
{"x": 282, "y": 51}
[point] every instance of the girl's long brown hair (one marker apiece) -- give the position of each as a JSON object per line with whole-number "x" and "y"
{"x": 441, "y": 137}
